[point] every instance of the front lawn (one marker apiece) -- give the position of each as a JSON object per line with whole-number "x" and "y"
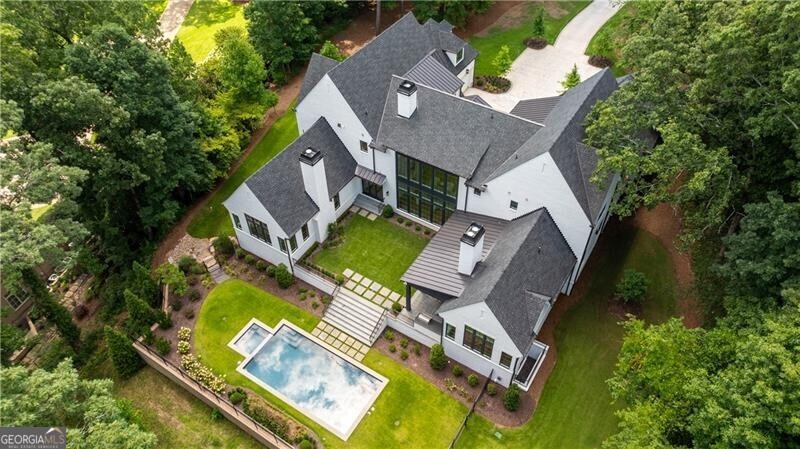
{"x": 204, "y": 19}
{"x": 213, "y": 219}
{"x": 409, "y": 413}
{"x": 176, "y": 417}
{"x": 377, "y": 249}
{"x": 613, "y": 35}
{"x": 556, "y": 16}
{"x": 575, "y": 410}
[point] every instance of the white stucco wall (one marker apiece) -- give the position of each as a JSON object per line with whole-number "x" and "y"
{"x": 467, "y": 76}
{"x": 479, "y": 317}
{"x": 325, "y": 100}
{"x": 242, "y": 202}
{"x": 386, "y": 164}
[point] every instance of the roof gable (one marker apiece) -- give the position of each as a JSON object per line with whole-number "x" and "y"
{"x": 317, "y": 68}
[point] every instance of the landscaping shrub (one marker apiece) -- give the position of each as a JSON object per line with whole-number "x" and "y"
{"x": 511, "y": 398}
{"x": 389, "y": 335}
{"x": 216, "y": 415}
{"x": 194, "y": 295}
{"x": 164, "y": 320}
{"x": 240, "y": 253}
{"x": 80, "y": 311}
{"x": 189, "y": 313}
{"x": 312, "y": 293}
{"x": 125, "y": 359}
{"x": 305, "y": 444}
{"x": 301, "y": 296}
{"x": 392, "y": 348}
{"x": 404, "y": 354}
{"x": 249, "y": 259}
{"x": 417, "y": 349}
{"x": 202, "y": 373}
{"x": 400, "y": 219}
{"x": 632, "y": 286}
{"x": 473, "y": 380}
{"x": 163, "y": 346}
{"x": 502, "y": 62}
{"x": 458, "y": 371}
{"x": 417, "y": 228}
{"x": 237, "y": 397}
{"x": 223, "y": 246}
{"x": 326, "y": 299}
{"x": 538, "y": 24}
{"x": 184, "y": 333}
{"x": 387, "y": 212}
{"x": 267, "y": 419}
{"x": 437, "y": 359}
{"x": 271, "y": 271}
{"x": 492, "y": 84}
{"x": 491, "y": 389}
{"x": 183, "y": 347}
{"x": 427, "y": 232}
{"x": 600, "y": 61}
{"x": 404, "y": 342}
{"x": 302, "y": 290}
{"x": 408, "y": 224}
{"x": 261, "y": 265}
{"x": 339, "y": 279}
{"x": 185, "y": 263}
{"x": 192, "y": 280}
{"x": 177, "y": 305}
{"x": 198, "y": 268}
{"x": 283, "y": 276}
{"x": 396, "y": 307}
{"x": 536, "y": 43}
{"x": 314, "y": 305}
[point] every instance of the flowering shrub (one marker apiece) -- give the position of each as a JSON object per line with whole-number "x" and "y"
{"x": 203, "y": 374}
{"x": 183, "y": 347}
{"x": 184, "y": 333}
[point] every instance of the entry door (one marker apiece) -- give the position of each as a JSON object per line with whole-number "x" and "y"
{"x": 372, "y": 190}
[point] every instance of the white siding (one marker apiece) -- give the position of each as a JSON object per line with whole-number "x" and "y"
{"x": 347, "y": 195}
{"x": 479, "y": 317}
{"x": 467, "y": 76}
{"x": 386, "y": 163}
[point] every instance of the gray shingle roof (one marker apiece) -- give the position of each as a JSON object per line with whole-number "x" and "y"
{"x": 430, "y": 72}
{"x": 479, "y": 100}
{"x": 452, "y": 133}
{"x": 536, "y": 109}
{"x": 527, "y": 266}
{"x": 364, "y": 77}
{"x": 278, "y": 185}
{"x": 563, "y": 133}
{"x": 317, "y": 68}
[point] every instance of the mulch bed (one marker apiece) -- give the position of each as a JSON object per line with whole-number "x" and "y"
{"x": 410, "y": 226}
{"x": 489, "y": 407}
{"x": 492, "y": 84}
{"x": 536, "y": 43}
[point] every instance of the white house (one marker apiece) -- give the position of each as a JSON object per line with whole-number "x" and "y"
{"x": 508, "y": 193}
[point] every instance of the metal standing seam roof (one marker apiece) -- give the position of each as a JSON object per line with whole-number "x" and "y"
{"x": 536, "y": 109}
{"x": 370, "y": 175}
{"x": 431, "y": 73}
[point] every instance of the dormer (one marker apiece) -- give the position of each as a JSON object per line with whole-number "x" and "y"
{"x": 457, "y": 57}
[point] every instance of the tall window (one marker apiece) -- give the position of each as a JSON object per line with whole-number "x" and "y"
{"x": 425, "y": 191}
{"x": 258, "y": 229}
{"x": 293, "y": 242}
{"x": 336, "y": 202}
{"x": 236, "y": 221}
{"x": 460, "y": 55}
{"x": 282, "y": 244}
{"x": 364, "y": 147}
{"x": 505, "y": 360}
{"x": 478, "y": 342}
{"x": 14, "y": 301}
{"x": 304, "y": 231}
{"x": 450, "y": 331}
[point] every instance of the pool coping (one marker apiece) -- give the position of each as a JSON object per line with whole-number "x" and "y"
{"x": 284, "y": 322}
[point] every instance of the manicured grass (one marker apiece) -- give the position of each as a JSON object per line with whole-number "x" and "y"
{"x": 39, "y": 210}
{"x": 176, "y": 417}
{"x": 213, "y": 219}
{"x": 612, "y": 36}
{"x": 377, "y": 249}
{"x": 575, "y": 410}
{"x": 204, "y": 20}
{"x": 426, "y": 417}
{"x": 489, "y": 45}
{"x": 158, "y": 6}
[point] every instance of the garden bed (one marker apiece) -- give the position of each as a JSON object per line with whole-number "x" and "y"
{"x": 492, "y": 84}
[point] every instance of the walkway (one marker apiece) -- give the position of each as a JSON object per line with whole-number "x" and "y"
{"x": 538, "y": 73}
{"x": 173, "y": 16}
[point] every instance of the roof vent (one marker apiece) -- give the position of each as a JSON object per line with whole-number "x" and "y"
{"x": 310, "y": 156}
{"x": 406, "y": 99}
{"x": 471, "y": 248}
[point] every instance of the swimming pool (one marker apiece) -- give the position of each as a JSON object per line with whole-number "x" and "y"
{"x": 254, "y": 334}
{"x": 298, "y": 369}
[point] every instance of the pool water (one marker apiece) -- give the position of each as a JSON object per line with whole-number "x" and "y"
{"x": 251, "y": 338}
{"x": 323, "y": 385}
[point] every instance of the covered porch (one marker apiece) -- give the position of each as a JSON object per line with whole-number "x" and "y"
{"x": 530, "y": 365}
{"x": 371, "y": 196}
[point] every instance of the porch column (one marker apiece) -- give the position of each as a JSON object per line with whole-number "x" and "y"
{"x": 408, "y": 297}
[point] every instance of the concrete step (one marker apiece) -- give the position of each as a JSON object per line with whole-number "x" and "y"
{"x": 362, "y": 304}
{"x": 353, "y": 322}
{"x": 347, "y": 327}
{"x": 354, "y": 316}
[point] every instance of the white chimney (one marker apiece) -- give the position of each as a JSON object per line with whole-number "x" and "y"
{"x": 471, "y": 248}
{"x": 313, "y": 168}
{"x": 406, "y": 99}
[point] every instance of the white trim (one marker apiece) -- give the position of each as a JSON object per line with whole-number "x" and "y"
{"x": 344, "y": 436}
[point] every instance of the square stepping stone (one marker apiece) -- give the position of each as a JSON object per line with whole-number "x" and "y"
{"x": 375, "y": 286}
{"x": 349, "y": 341}
{"x": 357, "y": 277}
{"x": 371, "y": 217}
{"x": 342, "y": 336}
{"x": 323, "y": 336}
{"x": 350, "y": 285}
{"x": 328, "y": 328}
{"x": 363, "y": 349}
{"x": 385, "y": 291}
{"x": 354, "y": 209}
{"x": 352, "y": 352}
{"x": 359, "y": 357}
{"x": 330, "y": 340}
{"x": 347, "y": 273}
{"x": 388, "y": 303}
{"x": 315, "y": 332}
{"x": 360, "y": 289}
{"x": 369, "y": 294}
{"x": 337, "y": 344}
{"x": 363, "y": 213}
{"x": 378, "y": 299}
{"x": 394, "y": 296}
{"x": 357, "y": 345}
{"x": 336, "y": 333}
{"x": 366, "y": 282}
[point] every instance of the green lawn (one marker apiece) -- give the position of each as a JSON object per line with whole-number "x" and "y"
{"x": 213, "y": 219}
{"x": 377, "y": 249}
{"x": 489, "y": 45}
{"x": 612, "y": 36}
{"x": 426, "y": 416}
{"x": 176, "y": 417}
{"x": 575, "y": 410}
{"x": 203, "y": 21}
{"x": 158, "y": 6}
{"x": 38, "y": 210}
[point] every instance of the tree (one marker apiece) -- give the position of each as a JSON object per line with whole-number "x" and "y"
{"x": 632, "y": 286}
{"x": 456, "y": 13}
{"x": 437, "y": 359}
{"x": 538, "y": 23}
{"x": 282, "y": 34}
{"x": 502, "y": 61}
{"x": 511, "y": 398}
{"x": 12, "y": 337}
{"x": 240, "y": 68}
{"x": 171, "y": 276}
{"x": 141, "y": 315}
{"x": 56, "y": 314}
{"x": 330, "y": 50}
{"x": 92, "y": 415}
{"x": 120, "y": 348}
{"x": 572, "y": 79}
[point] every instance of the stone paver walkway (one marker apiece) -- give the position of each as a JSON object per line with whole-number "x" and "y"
{"x": 340, "y": 341}
{"x": 363, "y": 212}
{"x": 173, "y": 16}
{"x": 370, "y": 290}
{"x": 538, "y": 73}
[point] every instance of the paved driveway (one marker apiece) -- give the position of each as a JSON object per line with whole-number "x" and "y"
{"x": 538, "y": 73}
{"x": 173, "y": 16}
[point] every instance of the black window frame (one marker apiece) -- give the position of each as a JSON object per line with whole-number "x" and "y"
{"x": 282, "y": 245}
{"x": 510, "y": 360}
{"x": 450, "y": 329}
{"x": 478, "y": 343}
{"x": 11, "y": 298}
{"x": 336, "y": 202}
{"x": 476, "y": 191}
{"x": 258, "y": 229}
{"x": 364, "y": 146}
{"x": 424, "y": 190}
{"x": 293, "y": 242}
{"x": 304, "y": 232}
{"x": 513, "y": 205}
{"x": 460, "y": 55}
{"x": 237, "y": 221}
